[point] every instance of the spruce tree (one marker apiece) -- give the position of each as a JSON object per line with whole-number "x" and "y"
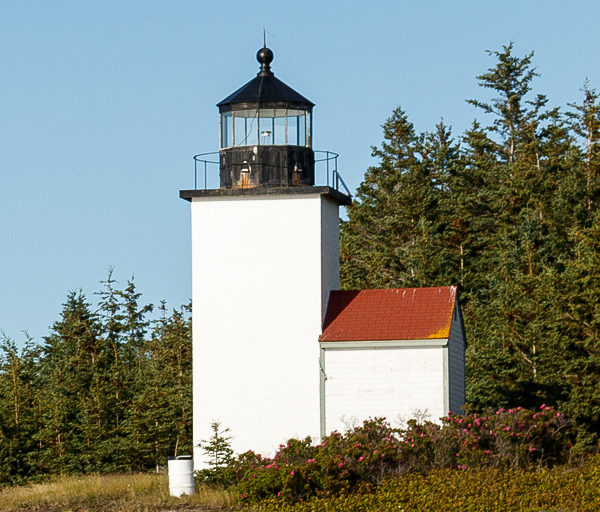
{"x": 511, "y": 216}
{"x": 160, "y": 420}
{"x": 124, "y": 329}
{"x": 73, "y": 371}
{"x": 219, "y": 453}
{"x": 19, "y": 409}
{"x": 394, "y": 235}
{"x": 585, "y": 122}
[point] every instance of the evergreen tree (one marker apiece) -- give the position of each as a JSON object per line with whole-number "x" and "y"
{"x": 219, "y": 453}
{"x": 19, "y": 409}
{"x": 523, "y": 244}
{"x": 514, "y": 123}
{"x": 160, "y": 419}
{"x": 112, "y": 444}
{"x": 123, "y": 337}
{"x": 585, "y": 122}
{"x": 580, "y": 326}
{"x": 394, "y": 233}
{"x": 511, "y": 216}
{"x": 73, "y": 373}
{"x": 101, "y": 394}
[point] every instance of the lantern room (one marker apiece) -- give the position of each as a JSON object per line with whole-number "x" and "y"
{"x": 266, "y": 133}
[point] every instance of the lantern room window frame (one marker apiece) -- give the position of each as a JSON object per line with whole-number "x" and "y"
{"x": 261, "y": 127}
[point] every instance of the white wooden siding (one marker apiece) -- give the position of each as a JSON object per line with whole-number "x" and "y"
{"x": 456, "y": 362}
{"x": 397, "y": 383}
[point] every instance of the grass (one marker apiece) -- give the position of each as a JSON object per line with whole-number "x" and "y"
{"x": 559, "y": 489}
{"x": 108, "y": 493}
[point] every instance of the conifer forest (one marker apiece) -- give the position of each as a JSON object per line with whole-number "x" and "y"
{"x": 106, "y": 391}
{"x": 509, "y": 210}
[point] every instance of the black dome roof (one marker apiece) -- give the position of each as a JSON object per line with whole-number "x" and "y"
{"x": 265, "y": 89}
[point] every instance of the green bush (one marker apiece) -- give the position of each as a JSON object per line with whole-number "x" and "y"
{"x": 363, "y": 457}
{"x": 487, "y": 489}
{"x": 517, "y": 438}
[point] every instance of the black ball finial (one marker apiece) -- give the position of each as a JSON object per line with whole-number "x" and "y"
{"x": 265, "y": 57}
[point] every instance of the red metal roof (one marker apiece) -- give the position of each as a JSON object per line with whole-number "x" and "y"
{"x": 392, "y": 314}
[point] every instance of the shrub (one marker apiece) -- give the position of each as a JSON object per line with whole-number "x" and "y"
{"x": 220, "y": 455}
{"x": 365, "y": 456}
{"x": 512, "y": 437}
{"x": 497, "y": 489}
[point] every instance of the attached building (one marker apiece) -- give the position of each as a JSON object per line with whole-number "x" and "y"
{"x": 397, "y": 353}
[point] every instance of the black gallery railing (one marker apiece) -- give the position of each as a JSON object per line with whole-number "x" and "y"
{"x": 207, "y": 167}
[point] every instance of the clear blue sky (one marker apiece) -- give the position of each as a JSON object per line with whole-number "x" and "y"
{"x": 103, "y": 104}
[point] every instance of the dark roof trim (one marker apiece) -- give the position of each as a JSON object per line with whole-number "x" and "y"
{"x": 337, "y": 196}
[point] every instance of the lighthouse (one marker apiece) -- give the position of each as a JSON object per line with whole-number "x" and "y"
{"x": 265, "y": 257}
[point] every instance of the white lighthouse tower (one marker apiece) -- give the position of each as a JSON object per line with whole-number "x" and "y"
{"x": 265, "y": 251}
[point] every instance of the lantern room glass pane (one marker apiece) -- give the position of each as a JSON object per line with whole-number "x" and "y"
{"x": 280, "y": 131}
{"x": 241, "y": 131}
{"x": 266, "y": 131}
{"x": 302, "y": 130}
{"x": 252, "y": 139}
{"x": 266, "y": 126}
{"x": 293, "y": 130}
{"x": 226, "y": 130}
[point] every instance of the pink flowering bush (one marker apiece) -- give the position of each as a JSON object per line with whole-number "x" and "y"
{"x": 361, "y": 457}
{"x": 364, "y": 456}
{"x": 516, "y": 438}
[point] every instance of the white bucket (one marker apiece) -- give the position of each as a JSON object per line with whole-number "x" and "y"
{"x": 181, "y": 475}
